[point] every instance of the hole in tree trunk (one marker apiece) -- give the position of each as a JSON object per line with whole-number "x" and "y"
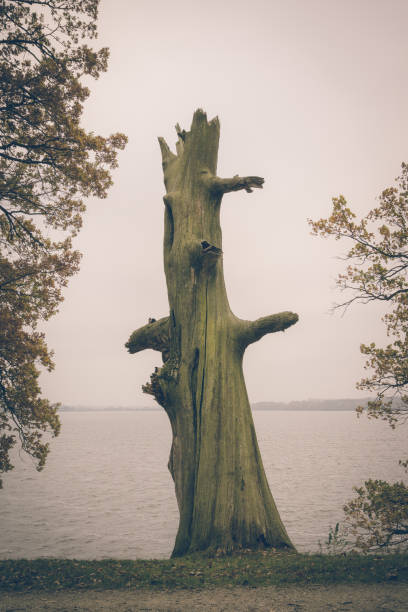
{"x": 171, "y": 224}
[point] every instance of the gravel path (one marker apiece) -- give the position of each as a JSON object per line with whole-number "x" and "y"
{"x": 358, "y": 598}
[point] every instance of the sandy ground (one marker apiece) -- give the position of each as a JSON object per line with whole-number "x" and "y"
{"x": 360, "y": 598}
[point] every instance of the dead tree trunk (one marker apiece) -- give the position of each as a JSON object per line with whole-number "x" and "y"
{"x": 222, "y": 492}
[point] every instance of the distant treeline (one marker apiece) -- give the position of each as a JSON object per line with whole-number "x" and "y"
{"x": 312, "y": 404}
{"x": 106, "y": 408}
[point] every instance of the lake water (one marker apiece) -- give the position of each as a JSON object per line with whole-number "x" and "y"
{"x": 106, "y": 491}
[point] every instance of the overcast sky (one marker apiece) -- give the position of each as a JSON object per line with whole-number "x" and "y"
{"x": 313, "y": 96}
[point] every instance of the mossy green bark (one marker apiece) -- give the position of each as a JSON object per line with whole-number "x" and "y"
{"x": 222, "y": 492}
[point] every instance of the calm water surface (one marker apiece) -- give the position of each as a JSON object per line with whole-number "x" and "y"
{"x": 106, "y": 491}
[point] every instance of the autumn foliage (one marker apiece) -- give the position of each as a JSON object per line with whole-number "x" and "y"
{"x": 48, "y": 165}
{"x": 377, "y": 271}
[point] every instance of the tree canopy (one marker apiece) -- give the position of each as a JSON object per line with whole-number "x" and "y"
{"x": 48, "y": 164}
{"x": 377, "y": 271}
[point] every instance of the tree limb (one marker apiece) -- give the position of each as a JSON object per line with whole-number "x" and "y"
{"x": 252, "y": 331}
{"x": 167, "y": 155}
{"x": 154, "y": 335}
{"x": 236, "y": 183}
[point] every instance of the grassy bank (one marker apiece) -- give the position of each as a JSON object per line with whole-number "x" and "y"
{"x": 249, "y": 569}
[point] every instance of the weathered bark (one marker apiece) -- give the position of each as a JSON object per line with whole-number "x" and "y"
{"x": 222, "y": 492}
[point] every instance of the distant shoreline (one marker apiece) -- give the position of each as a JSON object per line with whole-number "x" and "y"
{"x": 323, "y": 405}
